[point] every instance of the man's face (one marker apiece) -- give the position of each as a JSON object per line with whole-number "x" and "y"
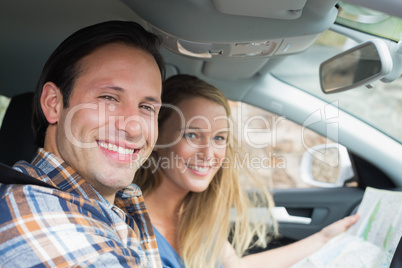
{"x": 110, "y": 126}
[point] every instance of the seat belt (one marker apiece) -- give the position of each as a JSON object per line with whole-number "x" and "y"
{"x": 12, "y": 176}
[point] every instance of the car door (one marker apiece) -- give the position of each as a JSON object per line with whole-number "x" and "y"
{"x": 301, "y": 209}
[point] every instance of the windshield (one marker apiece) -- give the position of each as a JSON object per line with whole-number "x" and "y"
{"x": 379, "y": 106}
{"x": 369, "y": 21}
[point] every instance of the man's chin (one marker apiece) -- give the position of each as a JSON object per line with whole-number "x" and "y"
{"x": 118, "y": 180}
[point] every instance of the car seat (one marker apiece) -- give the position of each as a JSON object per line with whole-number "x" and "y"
{"x": 16, "y": 133}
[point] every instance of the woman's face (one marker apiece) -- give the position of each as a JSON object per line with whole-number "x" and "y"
{"x": 192, "y": 145}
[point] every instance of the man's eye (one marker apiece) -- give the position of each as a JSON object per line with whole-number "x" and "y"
{"x": 107, "y": 97}
{"x": 148, "y": 108}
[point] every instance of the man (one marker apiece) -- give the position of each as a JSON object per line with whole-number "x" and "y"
{"x": 95, "y": 116}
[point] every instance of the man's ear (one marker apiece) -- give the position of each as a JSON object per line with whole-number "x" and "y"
{"x": 51, "y": 101}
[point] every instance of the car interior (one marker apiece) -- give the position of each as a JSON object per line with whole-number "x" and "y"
{"x": 248, "y": 49}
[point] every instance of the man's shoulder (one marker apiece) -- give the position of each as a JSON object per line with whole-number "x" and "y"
{"x": 22, "y": 204}
{"x": 22, "y": 173}
{"x": 29, "y": 169}
{"x": 28, "y": 189}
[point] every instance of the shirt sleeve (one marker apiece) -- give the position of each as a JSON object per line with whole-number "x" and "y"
{"x": 45, "y": 227}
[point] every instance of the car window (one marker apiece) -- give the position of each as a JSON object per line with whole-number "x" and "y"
{"x": 380, "y": 105}
{"x": 4, "y": 101}
{"x": 271, "y": 147}
{"x": 369, "y": 21}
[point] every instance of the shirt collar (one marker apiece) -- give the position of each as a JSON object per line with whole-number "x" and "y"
{"x": 68, "y": 180}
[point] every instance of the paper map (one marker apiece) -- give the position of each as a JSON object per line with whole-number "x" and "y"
{"x": 370, "y": 242}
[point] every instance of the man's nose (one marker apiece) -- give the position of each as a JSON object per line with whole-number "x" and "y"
{"x": 131, "y": 123}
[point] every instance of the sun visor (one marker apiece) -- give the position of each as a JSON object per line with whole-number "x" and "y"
{"x": 236, "y": 29}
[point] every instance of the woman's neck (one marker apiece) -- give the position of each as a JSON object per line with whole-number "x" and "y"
{"x": 163, "y": 205}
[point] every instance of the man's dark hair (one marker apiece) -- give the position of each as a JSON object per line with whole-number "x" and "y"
{"x": 62, "y": 67}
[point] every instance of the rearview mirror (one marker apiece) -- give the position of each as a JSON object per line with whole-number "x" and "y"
{"x": 355, "y": 67}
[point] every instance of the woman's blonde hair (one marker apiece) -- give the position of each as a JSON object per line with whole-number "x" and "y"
{"x": 205, "y": 221}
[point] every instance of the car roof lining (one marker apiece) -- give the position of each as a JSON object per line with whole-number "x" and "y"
{"x": 22, "y": 23}
{"x": 317, "y": 16}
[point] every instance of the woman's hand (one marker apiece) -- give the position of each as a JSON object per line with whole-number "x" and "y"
{"x": 338, "y": 227}
{"x": 288, "y": 255}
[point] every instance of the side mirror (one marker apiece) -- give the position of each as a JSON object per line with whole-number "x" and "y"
{"x": 355, "y": 67}
{"x": 326, "y": 165}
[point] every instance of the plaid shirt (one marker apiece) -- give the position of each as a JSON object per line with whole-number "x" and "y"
{"x": 73, "y": 226}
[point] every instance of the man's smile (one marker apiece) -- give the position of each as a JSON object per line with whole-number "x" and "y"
{"x": 118, "y": 149}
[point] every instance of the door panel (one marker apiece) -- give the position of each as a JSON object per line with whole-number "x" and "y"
{"x": 322, "y": 206}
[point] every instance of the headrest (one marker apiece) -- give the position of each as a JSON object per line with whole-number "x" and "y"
{"x": 16, "y": 133}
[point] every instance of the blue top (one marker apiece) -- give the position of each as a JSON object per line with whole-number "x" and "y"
{"x": 169, "y": 256}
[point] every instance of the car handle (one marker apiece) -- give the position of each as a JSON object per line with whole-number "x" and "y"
{"x": 282, "y": 215}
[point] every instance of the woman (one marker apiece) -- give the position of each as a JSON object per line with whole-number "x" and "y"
{"x": 190, "y": 186}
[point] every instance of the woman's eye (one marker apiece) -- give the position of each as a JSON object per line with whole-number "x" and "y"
{"x": 189, "y": 135}
{"x": 148, "y": 108}
{"x": 219, "y": 138}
